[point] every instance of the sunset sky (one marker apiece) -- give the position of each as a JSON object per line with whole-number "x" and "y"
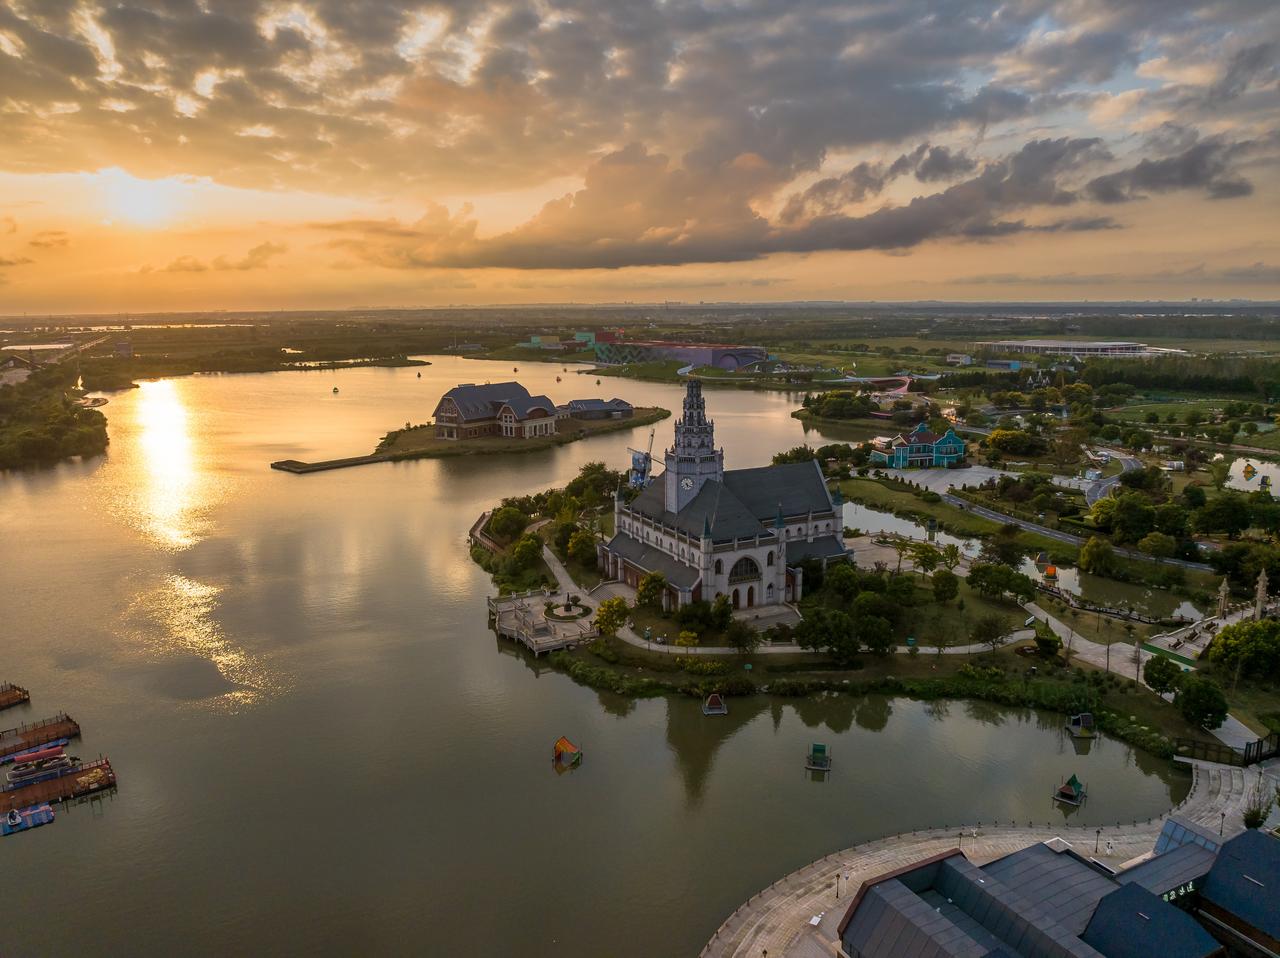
{"x": 192, "y": 154}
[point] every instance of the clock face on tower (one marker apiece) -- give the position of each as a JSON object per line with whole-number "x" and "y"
{"x": 686, "y": 482}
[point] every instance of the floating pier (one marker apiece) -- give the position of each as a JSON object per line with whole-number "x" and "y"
{"x": 11, "y": 695}
{"x": 38, "y": 733}
{"x": 91, "y": 778}
{"x": 30, "y": 818}
{"x": 299, "y": 468}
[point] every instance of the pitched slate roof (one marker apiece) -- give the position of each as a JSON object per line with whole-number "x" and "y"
{"x": 611, "y": 405}
{"x": 798, "y": 486}
{"x": 483, "y": 402}
{"x": 822, "y": 547}
{"x": 1171, "y": 869}
{"x": 652, "y": 559}
{"x": 1245, "y": 880}
{"x": 1133, "y": 923}
{"x": 728, "y": 516}
{"x": 1060, "y": 883}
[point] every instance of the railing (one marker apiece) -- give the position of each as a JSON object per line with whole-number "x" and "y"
{"x": 1254, "y": 752}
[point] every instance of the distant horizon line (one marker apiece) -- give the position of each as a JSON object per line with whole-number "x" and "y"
{"x": 123, "y": 315}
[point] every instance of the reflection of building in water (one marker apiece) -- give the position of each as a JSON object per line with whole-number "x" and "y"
{"x": 1194, "y": 893}
{"x": 695, "y": 739}
{"x": 1254, "y": 475}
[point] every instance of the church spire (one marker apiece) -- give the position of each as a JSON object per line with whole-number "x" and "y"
{"x": 693, "y": 458}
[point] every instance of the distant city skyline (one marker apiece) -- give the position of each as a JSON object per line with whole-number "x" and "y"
{"x": 379, "y": 153}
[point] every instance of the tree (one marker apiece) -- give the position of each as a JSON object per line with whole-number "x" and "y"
{"x": 1134, "y": 517}
{"x": 582, "y": 547}
{"x": 526, "y": 551}
{"x": 994, "y": 580}
{"x": 1003, "y": 547}
{"x": 721, "y": 612}
{"x": 1097, "y": 556}
{"x": 1219, "y": 471}
{"x": 1157, "y": 545}
{"x": 842, "y": 579}
{"x": 1201, "y": 702}
{"x": 1227, "y": 514}
{"x": 988, "y": 630}
{"x": 875, "y": 633}
{"x": 611, "y": 615}
{"x": 1047, "y": 643}
{"x": 946, "y": 585}
{"x": 1249, "y": 648}
{"x": 649, "y": 591}
{"x": 1161, "y": 674}
{"x": 951, "y": 556}
{"x": 742, "y": 636}
{"x": 506, "y": 523}
{"x": 830, "y": 631}
{"x": 901, "y": 546}
{"x": 925, "y": 557}
{"x": 1194, "y": 496}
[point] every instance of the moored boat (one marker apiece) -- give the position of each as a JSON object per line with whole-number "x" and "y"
{"x": 26, "y": 772}
{"x": 20, "y": 820}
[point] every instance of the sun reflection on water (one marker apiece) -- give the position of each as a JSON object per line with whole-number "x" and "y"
{"x": 170, "y": 493}
{"x": 176, "y": 617}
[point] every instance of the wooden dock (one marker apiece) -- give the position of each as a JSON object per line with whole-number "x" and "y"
{"x": 11, "y": 695}
{"x": 300, "y": 468}
{"x": 93, "y": 777}
{"x": 38, "y": 733}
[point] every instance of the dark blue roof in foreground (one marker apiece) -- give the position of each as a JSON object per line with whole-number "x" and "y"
{"x": 1133, "y": 923}
{"x": 1245, "y": 880}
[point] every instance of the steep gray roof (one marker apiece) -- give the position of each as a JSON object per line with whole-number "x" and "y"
{"x": 1245, "y": 878}
{"x": 1173, "y": 868}
{"x": 1061, "y": 884}
{"x": 798, "y": 486}
{"x": 729, "y": 518}
{"x": 652, "y": 559}
{"x": 483, "y": 402}
{"x": 822, "y": 547}
{"x": 610, "y": 404}
{"x": 1133, "y": 923}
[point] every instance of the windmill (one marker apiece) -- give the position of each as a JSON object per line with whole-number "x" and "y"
{"x": 641, "y": 465}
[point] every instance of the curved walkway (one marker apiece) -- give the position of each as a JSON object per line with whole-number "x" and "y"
{"x": 607, "y": 590}
{"x": 778, "y": 918}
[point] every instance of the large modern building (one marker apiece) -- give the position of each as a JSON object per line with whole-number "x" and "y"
{"x": 919, "y": 448}
{"x": 1195, "y": 896}
{"x": 1075, "y": 348}
{"x": 494, "y": 409}
{"x": 740, "y": 533}
{"x": 720, "y": 355}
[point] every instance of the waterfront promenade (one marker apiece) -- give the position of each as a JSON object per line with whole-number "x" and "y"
{"x": 779, "y": 920}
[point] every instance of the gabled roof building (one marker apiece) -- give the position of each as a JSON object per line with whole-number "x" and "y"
{"x": 1197, "y": 895}
{"x": 494, "y": 409}
{"x": 919, "y": 448}
{"x": 740, "y": 533}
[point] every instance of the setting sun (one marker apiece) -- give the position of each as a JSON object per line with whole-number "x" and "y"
{"x": 139, "y": 202}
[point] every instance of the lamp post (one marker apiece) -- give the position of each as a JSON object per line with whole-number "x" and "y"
{"x": 1222, "y": 824}
{"x": 1097, "y": 838}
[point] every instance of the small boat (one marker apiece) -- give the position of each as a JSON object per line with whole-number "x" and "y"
{"x": 597, "y": 382}
{"x": 715, "y": 705}
{"x": 557, "y": 379}
{"x": 419, "y": 375}
{"x": 819, "y": 759}
{"x": 565, "y": 755}
{"x": 32, "y": 817}
{"x": 515, "y": 369}
{"x": 53, "y": 748}
{"x": 27, "y": 772}
{"x": 1071, "y": 792}
{"x": 1081, "y": 726}
{"x": 335, "y": 389}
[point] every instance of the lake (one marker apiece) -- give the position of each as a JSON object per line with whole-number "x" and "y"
{"x": 323, "y": 750}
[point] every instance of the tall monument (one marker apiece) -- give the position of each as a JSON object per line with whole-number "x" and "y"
{"x": 693, "y": 457}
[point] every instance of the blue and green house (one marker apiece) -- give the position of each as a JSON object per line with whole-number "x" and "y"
{"x": 919, "y": 448}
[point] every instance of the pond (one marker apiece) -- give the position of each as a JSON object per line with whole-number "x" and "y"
{"x": 322, "y": 749}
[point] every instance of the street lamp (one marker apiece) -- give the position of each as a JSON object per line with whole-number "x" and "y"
{"x": 1222, "y": 824}
{"x": 1097, "y": 838}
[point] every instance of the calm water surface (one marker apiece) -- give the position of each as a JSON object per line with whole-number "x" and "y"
{"x": 322, "y": 750}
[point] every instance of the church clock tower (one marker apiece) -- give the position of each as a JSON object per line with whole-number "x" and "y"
{"x": 693, "y": 457}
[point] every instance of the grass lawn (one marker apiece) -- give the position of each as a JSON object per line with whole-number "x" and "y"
{"x": 930, "y": 623}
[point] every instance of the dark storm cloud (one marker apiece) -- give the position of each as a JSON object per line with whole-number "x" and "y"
{"x": 1207, "y": 166}
{"x": 729, "y": 110}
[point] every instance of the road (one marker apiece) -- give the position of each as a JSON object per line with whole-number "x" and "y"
{"x": 1102, "y": 488}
